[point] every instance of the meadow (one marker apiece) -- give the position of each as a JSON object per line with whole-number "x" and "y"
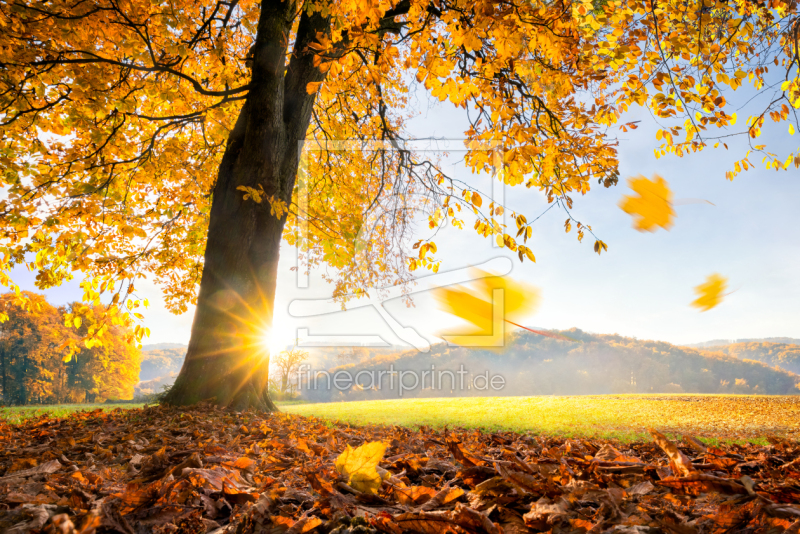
{"x": 623, "y": 417}
{"x": 17, "y": 414}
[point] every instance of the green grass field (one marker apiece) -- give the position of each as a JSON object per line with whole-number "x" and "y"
{"x": 626, "y": 417}
{"x": 17, "y": 414}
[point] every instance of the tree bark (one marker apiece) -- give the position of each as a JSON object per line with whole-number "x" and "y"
{"x": 4, "y": 382}
{"x": 227, "y": 360}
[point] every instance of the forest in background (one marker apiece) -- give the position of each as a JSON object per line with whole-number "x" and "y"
{"x": 783, "y": 355}
{"x": 715, "y": 343}
{"x": 536, "y": 365}
{"x": 160, "y": 365}
{"x": 593, "y": 364}
{"x": 32, "y": 370}
{"x": 32, "y": 366}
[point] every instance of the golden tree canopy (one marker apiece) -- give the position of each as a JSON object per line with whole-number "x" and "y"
{"x": 114, "y": 116}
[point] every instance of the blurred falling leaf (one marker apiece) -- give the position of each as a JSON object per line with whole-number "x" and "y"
{"x": 474, "y": 303}
{"x": 652, "y": 207}
{"x": 711, "y": 292}
{"x": 358, "y": 466}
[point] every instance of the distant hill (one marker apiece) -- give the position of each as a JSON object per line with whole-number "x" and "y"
{"x": 162, "y": 346}
{"x": 161, "y": 362}
{"x": 535, "y": 365}
{"x": 154, "y": 385}
{"x": 783, "y": 355}
{"x": 531, "y": 364}
{"x": 166, "y": 359}
{"x": 722, "y": 342}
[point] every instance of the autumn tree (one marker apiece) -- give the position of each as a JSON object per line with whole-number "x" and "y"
{"x": 153, "y": 137}
{"x": 107, "y": 370}
{"x": 351, "y": 354}
{"x": 287, "y": 364}
{"x": 28, "y": 356}
{"x": 36, "y": 368}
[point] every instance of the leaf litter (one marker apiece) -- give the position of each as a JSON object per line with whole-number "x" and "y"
{"x": 203, "y": 469}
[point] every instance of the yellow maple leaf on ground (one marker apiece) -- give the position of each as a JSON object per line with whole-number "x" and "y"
{"x": 711, "y": 292}
{"x": 359, "y": 466}
{"x": 652, "y": 207}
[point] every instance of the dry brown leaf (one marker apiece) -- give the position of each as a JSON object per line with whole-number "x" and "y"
{"x": 262, "y": 481}
{"x": 680, "y": 464}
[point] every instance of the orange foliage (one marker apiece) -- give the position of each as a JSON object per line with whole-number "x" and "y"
{"x": 33, "y": 369}
{"x": 199, "y": 469}
{"x": 115, "y": 117}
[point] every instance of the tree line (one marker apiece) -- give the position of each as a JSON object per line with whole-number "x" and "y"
{"x": 33, "y": 366}
{"x": 531, "y": 364}
{"x": 783, "y": 355}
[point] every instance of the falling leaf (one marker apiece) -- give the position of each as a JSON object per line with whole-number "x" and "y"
{"x": 474, "y": 303}
{"x": 358, "y": 466}
{"x": 710, "y": 293}
{"x": 652, "y": 207}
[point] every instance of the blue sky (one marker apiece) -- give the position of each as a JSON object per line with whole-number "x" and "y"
{"x": 641, "y": 287}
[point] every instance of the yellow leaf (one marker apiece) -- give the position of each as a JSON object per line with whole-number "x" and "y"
{"x": 474, "y": 303}
{"x": 359, "y": 465}
{"x": 313, "y": 87}
{"x": 530, "y": 255}
{"x": 791, "y": 129}
{"x": 710, "y": 293}
{"x": 599, "y": 246}
{"x": 477, "y": 200}
{"x": 77, "y": 322}
{"x": 653, "y": 205}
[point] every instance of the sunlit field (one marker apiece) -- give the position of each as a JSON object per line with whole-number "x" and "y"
{"x": 17, "y": 414}
{"x": 726, "y": 417}
{"x": 626, "y": 417}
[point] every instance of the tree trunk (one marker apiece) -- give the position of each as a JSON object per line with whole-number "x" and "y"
{"x": 3, "y": 372}
{"x": 23, "y": 387}
{"x": 227, "y": 360}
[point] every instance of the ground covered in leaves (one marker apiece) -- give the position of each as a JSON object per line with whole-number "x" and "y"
{"x": 200, "y": 470}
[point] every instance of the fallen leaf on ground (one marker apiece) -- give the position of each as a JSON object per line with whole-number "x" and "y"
{"x": 358, "y": 466}
{"x": 459, "y": 481}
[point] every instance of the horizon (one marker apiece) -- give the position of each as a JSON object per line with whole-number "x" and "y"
{"x": 698, "y": 344}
